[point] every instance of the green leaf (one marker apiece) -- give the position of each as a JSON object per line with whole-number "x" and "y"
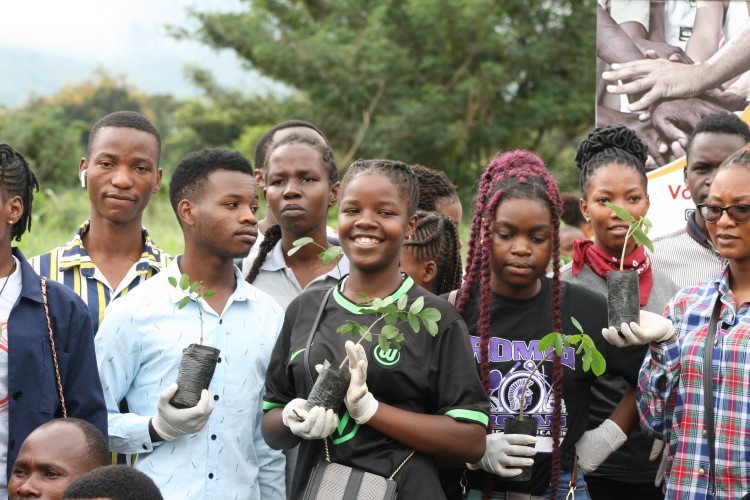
{"x": 417, "y": 305}
{"x": 574, "y": 339}
{"x": 365, "y": 333}
{"x": 377, "y": 303}
{"x": 172, "y": 281}
{"x": 640, "y": 237}
{"x": 184, "y": 281}
{"x": 183, "y": 302}
{"x": 576, "y": 324}
{"x": 193, "y": 286}
{"x": 209, "y": 293}
{"x": 302, "y": 242}
{"x": 599, "y": 364}
{"x": 363, "y": 297}
{"x": 383, "y": 343}
{"x": 389, "y": 332}
{"x": 414, "y": 322}
{"x": 587, "y": 358}
{"x": 621, "y": 213}
{"x": 330, "y": 255}
{"x": 430, "y": 314}
{"x": 547, "y": 341}
{"x": 402, "y": 301}
{"x": 432, "y": 327}
{"x": 391, "y": 319}
{"x": 558, "y": 345}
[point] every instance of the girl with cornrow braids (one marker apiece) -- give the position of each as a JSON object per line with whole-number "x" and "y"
{"x": 27, "y": 366}
{"x": 509, "y": 304}
{"x": 425, "y": 398}
{"x": 612, "y": 168}
{"x": 432, "y": 256}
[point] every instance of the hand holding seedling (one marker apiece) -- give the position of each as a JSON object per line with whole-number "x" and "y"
{"x": 318, "y": 423}
{"x": 506, "y": 453}
{"x": 171, "y": 423}
{"x": 360, "y": 402}
{"x": 650, "y": 328}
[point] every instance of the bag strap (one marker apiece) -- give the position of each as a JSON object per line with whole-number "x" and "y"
{"x": 312, "y": 334}
{"x": 398, "y": 469}
{"x": 54, "y": 348}
{"x": 708, "y": 392}
{"x": 453, "y": 295}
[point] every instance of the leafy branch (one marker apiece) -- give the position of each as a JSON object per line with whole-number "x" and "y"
{"x": 592, "y": 358}
{"x": 637, "y": 229}
{"x": 389, "y": 311}
{"x": 328, "y": 255}
{"x": 195, "y": 291}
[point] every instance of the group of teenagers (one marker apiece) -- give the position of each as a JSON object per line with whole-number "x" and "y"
{"x": 434, "y": 411}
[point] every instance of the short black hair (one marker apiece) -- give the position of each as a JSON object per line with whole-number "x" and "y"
{"x": 17, "y": 179}
{"x": 191, "y": 173}
{"x": 434, "y": 188}
{"x": 398, "y": 172}
{"x": 262, "y": 147}
{"x": 326, "y": 153}
{"x": 125, "y": 119}
{"x": 96, "y": 445}
{"x": 571, "y": 212}
{"x": 115, "y": 482}
{"x": 720, "y": 123}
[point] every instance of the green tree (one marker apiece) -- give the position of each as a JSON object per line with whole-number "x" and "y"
{"x": 443, "y": 83}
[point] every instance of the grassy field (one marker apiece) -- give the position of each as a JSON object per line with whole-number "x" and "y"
{"x": 58, "y": 213}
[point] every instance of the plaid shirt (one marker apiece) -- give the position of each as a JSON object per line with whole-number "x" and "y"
{"x": 71, "y": 265}
{"x": 675, "y": 410}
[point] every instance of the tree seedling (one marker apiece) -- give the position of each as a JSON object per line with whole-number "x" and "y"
{"x": 637, "y": 229}
{"x": 194, "y": 290}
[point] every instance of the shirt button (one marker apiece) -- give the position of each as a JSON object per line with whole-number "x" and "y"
{"x": 221, "y": 321}
{"x": 659, "y": 356}
{"x": 705, "y": 432}
{"x": 17, "y": 395}
{"x": 12, "y": 444}
{"x": 219, "y": 360}
{"x": 211, "y": 475}
{"x": 216, "y": 397}
{"x": 145, "y": 447}
{"x": 701, "y": 471}
{"x": 213, "y": 437}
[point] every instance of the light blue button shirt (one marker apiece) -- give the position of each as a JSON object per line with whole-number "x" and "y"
{"x": 139, "y": 347}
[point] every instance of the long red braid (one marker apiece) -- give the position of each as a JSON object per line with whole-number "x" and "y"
{"x": 501, "y": 178}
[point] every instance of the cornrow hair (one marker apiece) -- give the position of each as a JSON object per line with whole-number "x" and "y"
{"x": 436, "y": 239}
{"x": 326, "y": 153}
{"x": 271, "y": 237}
{"x": 434, "y": 188}
{"x": 607, "y": 145}
{"x": 400, "y": 174}
{"x": 263, "y": 146}
{"x": 17, "y": 179}
{"x": 720, "y": 123}
{"x": 513, "y": 175}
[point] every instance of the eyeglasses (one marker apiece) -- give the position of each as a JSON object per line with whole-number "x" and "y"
{"x": 712, "y": 213}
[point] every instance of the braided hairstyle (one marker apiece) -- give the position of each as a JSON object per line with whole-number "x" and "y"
{"x": 271, "y": 237}
{"x": 434, "y": 188}
{"x": 399, "y": 173}
{"x": 17, "y": 179}
{"x": 436, "y": 239}
{"x": 606, "y": 145}
{"x": 513, "y": 175}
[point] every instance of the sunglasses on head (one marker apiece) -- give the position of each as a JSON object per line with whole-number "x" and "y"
{"x": 712, "y": 213}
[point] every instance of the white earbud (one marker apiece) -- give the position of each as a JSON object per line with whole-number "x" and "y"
{"x": 83, "y": 178}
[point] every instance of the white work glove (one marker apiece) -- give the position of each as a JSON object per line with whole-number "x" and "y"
{"x": 505, "y": 453}
{"x": 171, "y": 423}
{"x": 650, "y": 328}
{"x": 360, "y": 402}
{"x": 318, "y": 423}
{"x": 659, "y": 450}
{"x": 596, "y": 445}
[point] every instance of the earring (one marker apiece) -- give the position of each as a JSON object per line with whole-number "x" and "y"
{"x": 408, "y": 237}
{"x": 82, "y": 176}
{"x": 10, "y": 222}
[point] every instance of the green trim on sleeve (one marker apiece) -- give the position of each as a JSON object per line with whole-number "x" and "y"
{"x": 267, "y": 405}
{"x": 472, "y": 415}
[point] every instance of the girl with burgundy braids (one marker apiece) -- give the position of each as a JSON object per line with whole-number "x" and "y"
{"x": 509, "y": 304}
{"x": 612, "y": 168}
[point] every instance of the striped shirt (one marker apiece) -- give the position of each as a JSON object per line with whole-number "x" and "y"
{"x": 71, "y": 265}
{"x": 670, "y": 393}
{"x": 686, "y": 256}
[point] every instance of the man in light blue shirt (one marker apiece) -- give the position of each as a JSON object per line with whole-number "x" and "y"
{"x": 215, "y": 449}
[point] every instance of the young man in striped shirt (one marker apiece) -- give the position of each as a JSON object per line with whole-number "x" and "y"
{"x": 687, "y": 255}
{"x": 112, "y": 252}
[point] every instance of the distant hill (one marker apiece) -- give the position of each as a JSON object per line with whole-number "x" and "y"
{"x": 44, "y": 74}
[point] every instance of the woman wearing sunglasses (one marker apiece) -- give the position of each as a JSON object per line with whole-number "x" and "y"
{"x": 698, "y": 400}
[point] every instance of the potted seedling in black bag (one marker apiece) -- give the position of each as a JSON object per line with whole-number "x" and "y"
{"x": 623, "y": 295}
{"x": 333, "y": 380}
{"x": 198, "y": 361}
{"x": 555, "y": 342}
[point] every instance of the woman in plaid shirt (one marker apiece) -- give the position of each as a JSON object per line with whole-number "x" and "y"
{"x": 670, "y": 390}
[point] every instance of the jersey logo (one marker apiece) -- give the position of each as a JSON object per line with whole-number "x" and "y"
{"x": 346, "y": 429}
{"x": 387, "y": 359}
{"x": 294, "y": 354}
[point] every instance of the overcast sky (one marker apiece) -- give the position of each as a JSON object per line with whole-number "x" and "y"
{"x": 124, "y": 36}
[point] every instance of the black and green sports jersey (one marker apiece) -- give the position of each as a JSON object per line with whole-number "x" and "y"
{"x": 430, "y": 375}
